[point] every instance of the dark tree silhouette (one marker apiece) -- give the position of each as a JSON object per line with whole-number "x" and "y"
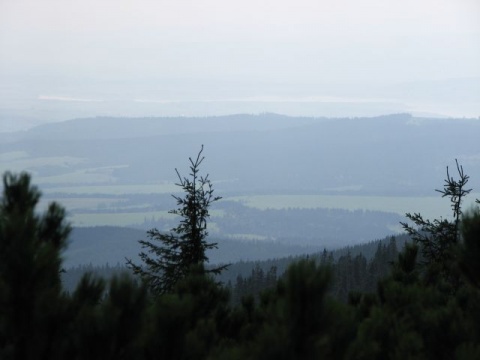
{"x": 437, "y": 238}
{"x": 184, "y": 247}
{"x": 30, "y": 265}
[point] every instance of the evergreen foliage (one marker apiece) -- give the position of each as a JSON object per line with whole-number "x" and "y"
{"x": 30, "y": 268}
{"x": 185, "y": 246}
{"x": 468, "y": 253}
{"x": 414, "y": 312}
{"x": 438, "y": 238}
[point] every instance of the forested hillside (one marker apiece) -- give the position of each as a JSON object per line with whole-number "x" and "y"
{"x": 244, "y": 233}
{"x": 356, "y": 267}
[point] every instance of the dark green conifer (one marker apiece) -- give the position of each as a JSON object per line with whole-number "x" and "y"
{"x": 185, "y": 245}
{"x": 30, "y": 266}
{"x": 438, "y": 238}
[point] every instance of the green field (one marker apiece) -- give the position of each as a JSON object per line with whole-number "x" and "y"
{"x": 431, "y": 206}
{"x": 92, "y": 203}
{"x": 161, "y": 188}
{"x": 126, "y": 218}
{"x": 117, "y": 219}
{"x": 18, "y": 161}
{"x": 85, "y": 201}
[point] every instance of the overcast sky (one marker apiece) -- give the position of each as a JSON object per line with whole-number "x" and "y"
{"x": 48, "y": 47}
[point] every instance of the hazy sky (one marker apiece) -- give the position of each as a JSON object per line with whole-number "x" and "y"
{"x": 97, "y": 49}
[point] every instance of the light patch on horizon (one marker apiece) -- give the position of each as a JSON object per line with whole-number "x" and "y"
{"x": 279, "y": 99}
{"x": 65, "y": 98}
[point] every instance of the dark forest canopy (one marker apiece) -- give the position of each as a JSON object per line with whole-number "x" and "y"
{"x": 418, "y": 310}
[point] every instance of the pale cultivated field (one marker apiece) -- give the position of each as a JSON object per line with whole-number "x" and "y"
{"x": 430, "y": 207}
{"x": 161, "y": 188}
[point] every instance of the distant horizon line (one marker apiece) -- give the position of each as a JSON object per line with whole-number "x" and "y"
{"x": 413, "y": 115}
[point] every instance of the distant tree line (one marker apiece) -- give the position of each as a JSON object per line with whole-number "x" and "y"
{"x": 349, "y": 273}
{"x": 374, "y": 256}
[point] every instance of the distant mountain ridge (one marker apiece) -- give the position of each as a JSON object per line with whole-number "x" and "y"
{"x": 127, "y": 127}
{"x": 396, "y": 154}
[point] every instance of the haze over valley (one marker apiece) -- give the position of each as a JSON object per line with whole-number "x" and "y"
{"x": 323, "y": 123}
{"x": 294, "y": 181}
{"x": 255, "y": 179}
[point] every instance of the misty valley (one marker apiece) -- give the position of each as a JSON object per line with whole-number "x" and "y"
{"x": 231, "y": 180}
{"x": 242, "y": 236}
{"x": 295, "y": 181}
